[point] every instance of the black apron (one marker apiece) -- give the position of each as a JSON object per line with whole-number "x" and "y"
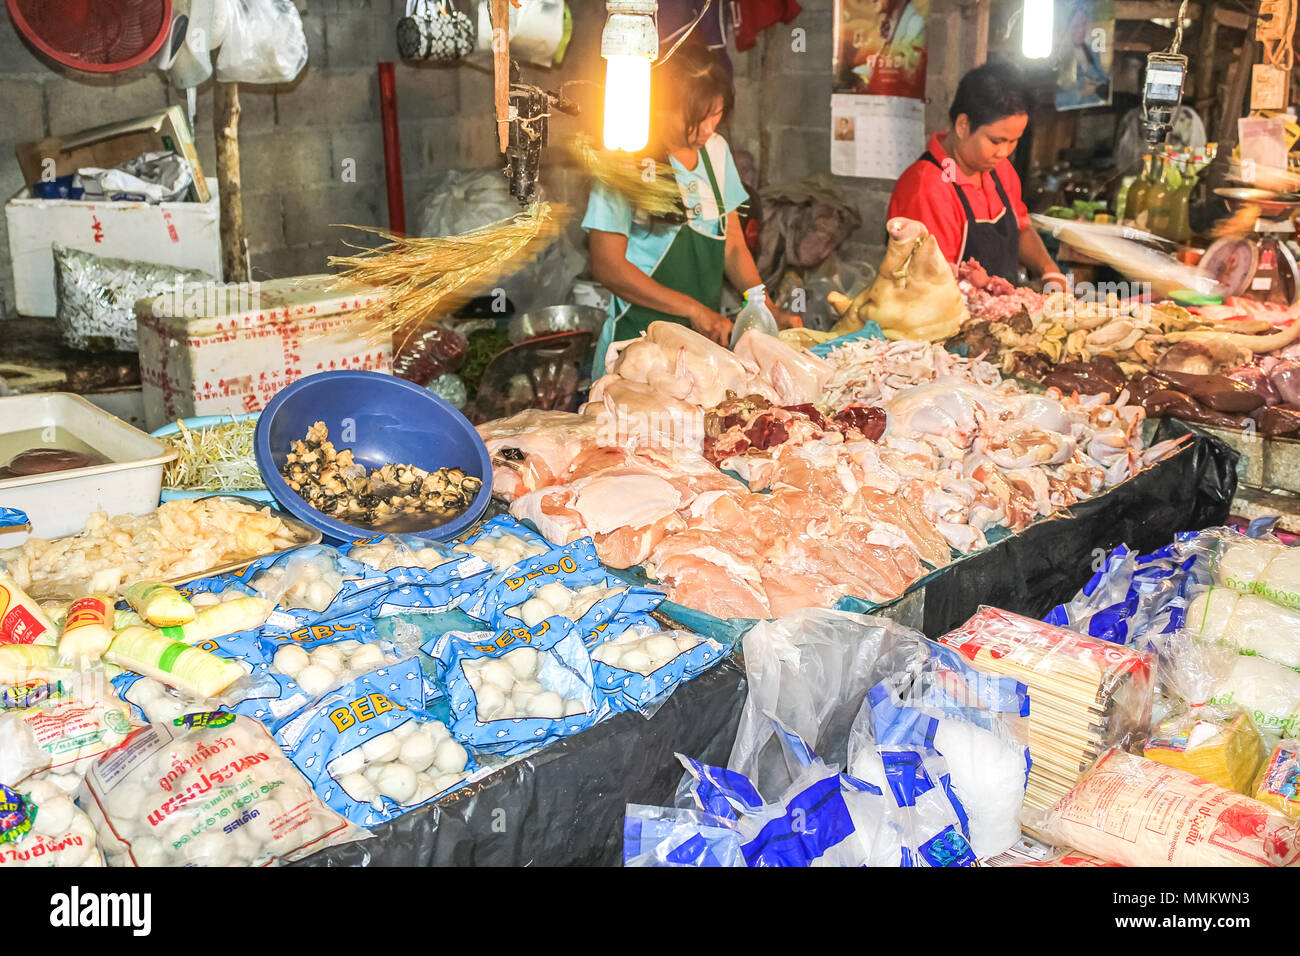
{"x": 993, "y": 243}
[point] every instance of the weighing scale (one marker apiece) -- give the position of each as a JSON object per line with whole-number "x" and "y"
{"x": 1258, "y": 265}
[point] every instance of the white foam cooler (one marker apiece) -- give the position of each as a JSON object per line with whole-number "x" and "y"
{"x": 230, "y": 350}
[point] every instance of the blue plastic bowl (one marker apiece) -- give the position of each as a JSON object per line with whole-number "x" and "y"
{"x": 383, "y": 420}
{"x": 208, "y": 421}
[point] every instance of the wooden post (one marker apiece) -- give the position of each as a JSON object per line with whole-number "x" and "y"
{"x": 501, "y": 69}
{"x": 225, "y": 121}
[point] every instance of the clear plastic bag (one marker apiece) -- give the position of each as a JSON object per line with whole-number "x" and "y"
{"x": 265, "y": 43}
{"x": 811, "y": 670}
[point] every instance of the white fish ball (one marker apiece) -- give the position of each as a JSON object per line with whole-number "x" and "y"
{"x": 431, "y": 558}
{"x": 572, "y": 708}
{"x": 230, "y": 595}
{"x": 499, "y": 673}
{"x": 328, "y": 656}
{"x": 124, "y": 801}
{"x": 555, "y": 594}
{"x": 350, "y": 762}
{"x": 382, "y": 749}
{"x": 149, "y": 852}
{"x": 347, "y": 648}
{"x": 523, "y": 661}
{"x": 290, "y": 660}
{"x": 406, "y": 728}
{"x": 507, "y": 711}
{"x": 397, "y": 782}
{"x": 356, "y": 786}
{"x": 529, "y": 686}
{"x": 67, "y": 782}
{"x": 319, "y": 594}
{"x": 687, "y": 641}
{"x": 436, "y": 730}
{"x": 635, "y": 660}
{"x": 54, "y": 815}
{"x": 373, "y": 771}
{"x": 423, "y": 789}
{"x": 366, "y": 657}
{"x": 446, "y": 781}
{"x": 210, "y": 849}
{"x": 547, "y": 705}
{"x": 316, "y": 680}
{"x": 514, "y": 612}
{"x": 450, "y": 757}
{"x": 534, "y": 611}
{"x": 417, "y": 751}
{"x": 609, "y": 654}
{"x": 661, "y": 647}
{"x": 520, "y": 699}
{"x": 490, "y": 700}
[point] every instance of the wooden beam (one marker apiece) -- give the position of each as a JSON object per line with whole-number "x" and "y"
{"x": 1234, "y": 19}
{"x": 1132, "y": 46}
{"x": 225, "y": 121}
{"x": 1203, "y": 69}
{"x": 1152, "y": 10}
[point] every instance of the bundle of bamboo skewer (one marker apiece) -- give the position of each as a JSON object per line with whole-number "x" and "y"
{"x": 1085, "y": 695}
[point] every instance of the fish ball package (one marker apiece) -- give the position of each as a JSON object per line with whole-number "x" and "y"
{"x": 1253, "y": 624}
{"x": 1137, "y": 812}
{"x": 315, "y": 584}
{"x": 206, "y": 790}
{"x": 503, "y": 543}
{"x": 636, "y": 663}
{"x": 511, "y": 691}
{"x": 371, "y": 749}
{"x": 73, "y": 719}
{"x": 566, "y": 585}
{"x": 1260, "y": 565}
{"x": 41, "y": 826}
{"x": 1278, "y": 782}
{"x": 425, "y": 575}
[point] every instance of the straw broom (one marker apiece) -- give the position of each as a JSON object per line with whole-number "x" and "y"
{"x": 427, "y": 278}
{"x": 652, "y": 189}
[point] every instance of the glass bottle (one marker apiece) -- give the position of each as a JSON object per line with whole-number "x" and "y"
{"x": 1152, "y": 215}
{"x": 1136, "y": 192}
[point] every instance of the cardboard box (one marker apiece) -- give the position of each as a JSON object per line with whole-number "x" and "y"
{"x": 108, "y": 146}
{"x": 183, "y": 234}
{"x": 233, "y": 352}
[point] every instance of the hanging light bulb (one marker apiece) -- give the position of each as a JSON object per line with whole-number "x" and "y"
{"x": 1036, "y": 29}
{"x": 629, "y": 44}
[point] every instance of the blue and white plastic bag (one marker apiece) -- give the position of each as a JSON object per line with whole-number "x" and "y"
{"x": 511, "y": 691}
{"x": 315, "y": 584}
{"x": 636, "y": 662}
{"x": 425, "y": 575}
{"x": 371, "y": 749}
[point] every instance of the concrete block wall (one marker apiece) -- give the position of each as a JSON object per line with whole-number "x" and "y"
{"x": 312, "y": 151}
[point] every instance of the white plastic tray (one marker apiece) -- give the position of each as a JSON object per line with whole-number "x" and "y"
{"x": 59, "y": 503}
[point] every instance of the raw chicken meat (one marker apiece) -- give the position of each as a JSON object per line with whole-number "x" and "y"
{"x": 796, "y": 377}
{"x": 681, "y": 363}
{"x": 714, "y": 576}
{"x": 534, "y": 449}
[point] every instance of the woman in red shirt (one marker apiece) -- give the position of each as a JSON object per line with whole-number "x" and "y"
{"x": 964, "y": 188}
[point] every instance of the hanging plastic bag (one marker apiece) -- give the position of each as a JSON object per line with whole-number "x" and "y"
{"x": 265, "y": 43}
{"x": 370, "y": 748}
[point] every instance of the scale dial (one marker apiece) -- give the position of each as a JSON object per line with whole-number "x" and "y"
{"x": 1231, "y": 262}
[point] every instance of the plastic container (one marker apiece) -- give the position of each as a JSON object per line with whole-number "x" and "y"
{"x": 383, "y": 420}
{"x": 259, "y": 494}
{"x": 58, "y": 503}
{"x": 755, "y": 315}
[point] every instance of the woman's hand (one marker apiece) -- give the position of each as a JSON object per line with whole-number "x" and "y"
{"x": 710, "y": 324}
{"x": 787, "y": 320}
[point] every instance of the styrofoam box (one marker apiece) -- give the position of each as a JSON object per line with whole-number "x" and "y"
{"x": 183, "y": 234}
{"x": 59, "y": 503}
{"x": 246, "y": 347}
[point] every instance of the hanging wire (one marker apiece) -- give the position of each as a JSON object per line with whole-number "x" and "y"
{"x": 1178, "y": 28}
{"x": 691, "y": 29}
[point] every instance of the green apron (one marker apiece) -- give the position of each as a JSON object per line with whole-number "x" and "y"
{"x": 693, "y": 264}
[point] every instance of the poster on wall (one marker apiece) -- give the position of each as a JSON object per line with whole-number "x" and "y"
{"x": 1083, "y": 52}
{"x": 875, "y": 136}
{"x": 880, "y": 47}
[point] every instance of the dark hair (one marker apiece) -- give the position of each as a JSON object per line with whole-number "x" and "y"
{"x": 687, "y": 86}
{"x": 989, "y": 93}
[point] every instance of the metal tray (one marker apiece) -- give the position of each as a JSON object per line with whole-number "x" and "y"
{"x": 303, "y": 532}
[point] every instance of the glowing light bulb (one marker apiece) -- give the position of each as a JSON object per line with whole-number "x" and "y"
{"x": 627, "y": 103}
{"x": 1036, "y": 29}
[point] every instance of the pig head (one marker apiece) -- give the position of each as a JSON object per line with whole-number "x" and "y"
{"x": 915, "y": 295}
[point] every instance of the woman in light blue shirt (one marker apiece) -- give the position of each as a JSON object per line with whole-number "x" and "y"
{"x": 660, "y": 270}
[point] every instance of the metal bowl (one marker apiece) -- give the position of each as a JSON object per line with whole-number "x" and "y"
{"x": 1270, "y": 203}
{"x": 556, "y": 318}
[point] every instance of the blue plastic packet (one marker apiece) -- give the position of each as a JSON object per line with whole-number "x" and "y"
{"x": 13, "y": 518}
{"x": 314, "y": 584}
{"x": 667, "y": 836}
{"x": 425, "y": 575}
{"x": 502, "y": 542}
{"x": 496, "y": 593}
{"x": 372, "y": 750}
{"x": 512, "y": 690}
{"x": 637, "y": 663}
{"x": 570, "y": 584}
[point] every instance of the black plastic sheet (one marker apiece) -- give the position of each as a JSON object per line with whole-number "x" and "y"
{"x": 565, "y": 805}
